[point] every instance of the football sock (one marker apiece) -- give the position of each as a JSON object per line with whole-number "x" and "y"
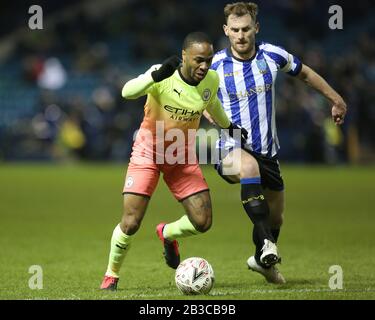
{"x": 179, "y": 229}
{"x": 257, "y": 209}
{"x": 120, "y": 244}
{"x": 275, "y": 233}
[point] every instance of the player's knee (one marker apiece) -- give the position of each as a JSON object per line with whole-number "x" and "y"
{"x": 130, "y": 226}
{"x": 249, "y": 168}
{"x": 130, "y": 223}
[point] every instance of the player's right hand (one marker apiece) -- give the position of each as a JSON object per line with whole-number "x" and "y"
{"x": 167, "y": 69}
{"x": 339, "y": 111}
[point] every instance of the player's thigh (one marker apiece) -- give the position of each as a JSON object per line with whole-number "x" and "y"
{"x": 276, "y": 203}
{"x": 239, "y": 164}
{"x": 199, "y": 210}
{"x": 141, "y": 179}
{"x": 184, "y": 180}
{"x": 140, "y": 183}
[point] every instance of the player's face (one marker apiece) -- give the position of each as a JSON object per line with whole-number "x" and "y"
{"x": 197, "y": 60}
{"x": 241, "y": 32}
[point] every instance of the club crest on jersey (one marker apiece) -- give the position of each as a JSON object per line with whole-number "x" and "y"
{"x": 262, "y": 66}
{"x": 129, "y": 182}
{"x": 206, "y": 95}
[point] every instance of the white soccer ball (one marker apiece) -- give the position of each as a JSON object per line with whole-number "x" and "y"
{"x": 194, "y": 276}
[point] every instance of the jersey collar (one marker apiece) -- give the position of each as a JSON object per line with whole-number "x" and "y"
{"x": 190, "y": 83}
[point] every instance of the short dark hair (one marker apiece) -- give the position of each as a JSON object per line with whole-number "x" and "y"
{"x": 195, "y": 37}
{"x": 240, "y": 9}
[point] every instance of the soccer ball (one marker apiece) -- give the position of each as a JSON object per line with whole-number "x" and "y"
{"x": 194, "y": 276}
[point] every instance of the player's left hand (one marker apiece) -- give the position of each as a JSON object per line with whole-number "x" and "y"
{"x": 338, "y": 111}
{"x": 234, "y": 130}
{"x": 167, "y": 69}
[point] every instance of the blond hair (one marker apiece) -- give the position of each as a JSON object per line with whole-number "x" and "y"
{"x": 240, "y": 9}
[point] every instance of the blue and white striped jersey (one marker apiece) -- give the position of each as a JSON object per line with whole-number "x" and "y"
{"x": 247, "y": 93}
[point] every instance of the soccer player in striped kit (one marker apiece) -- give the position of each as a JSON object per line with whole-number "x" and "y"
{"x": 247, "y": 72}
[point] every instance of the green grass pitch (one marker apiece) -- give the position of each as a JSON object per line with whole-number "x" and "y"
{"x": 61, "y": 218}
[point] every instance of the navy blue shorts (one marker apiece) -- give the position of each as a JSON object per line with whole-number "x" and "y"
{"x": 269, "y": 171}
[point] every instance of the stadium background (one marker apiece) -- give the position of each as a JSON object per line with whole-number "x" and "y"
{"x": 60, "y": 86}
{"x": 60, "y": 103}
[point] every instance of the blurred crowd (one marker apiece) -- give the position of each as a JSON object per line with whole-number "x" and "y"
{"x": 71, "y": 73}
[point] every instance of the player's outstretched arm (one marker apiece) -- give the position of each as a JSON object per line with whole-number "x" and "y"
{"x": 217, "y": 114}
{"x": 313, "y": 79}
{"x": 139, "y": 86}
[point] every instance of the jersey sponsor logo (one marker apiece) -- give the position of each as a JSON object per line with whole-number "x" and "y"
{"x": 182, "y": 118}
{"x": 262, "y": 66}
{"x": 232, "y": 74}
{"x": 250, "y": 91}
{"x": 181, "y": 111}
{"x": 206, "y": 95}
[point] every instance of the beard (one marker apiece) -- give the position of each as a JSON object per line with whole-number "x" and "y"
{"x": 243, "y": 48}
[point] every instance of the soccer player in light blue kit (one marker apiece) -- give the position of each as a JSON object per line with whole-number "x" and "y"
{"x": 247, "y": 72}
